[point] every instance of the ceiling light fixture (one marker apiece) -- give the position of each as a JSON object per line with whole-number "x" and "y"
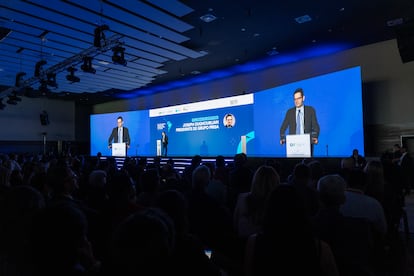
{"x": 43, "y": 88}
{"x": 208, "y": 17}
{"x": 51, "y": 80}
{"x": 71, "y": 77}
{"x": 87, "y": 65}
{"x": 39, "y": 68}
{"x": 99, "y": 36}
{"x": 303, "y": 19}
{"x": 119, "y": 56}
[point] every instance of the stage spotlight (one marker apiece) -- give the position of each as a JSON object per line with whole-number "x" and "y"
{"x": 119, "y": 56}
{"x": 19, "y": 79}
{"x": 51, "y": 80}
{"x": 99, "y": 36}
{"x": 43, "y": 88}
{"x": 71, "y": 77}
{"x": 87, "y": 65}
{"x": 2, "y": 105}
{"x": 39, "y": 68}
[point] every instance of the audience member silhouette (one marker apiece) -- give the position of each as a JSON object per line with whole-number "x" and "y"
{"x": 240, "y": 179}
{"x": 149, "y": 188}
{"x": 301, "y": 180}
{"x": 350, "y": 238}
{"x": 216, "y": 188}
{"x": 287, "y": 243}
{"x": 17, "y": 210}
{"x": 375, "y": 180}
{"x": 188, "y": 256}
{"x": 249, "y": 211}
{"x": 209, "y": 220}
{"x": 359, "y": 160}
{"x": 142, "y": 244}
{"x": 188, "y": 171}
{"x": 360, "y": 205}
{"x": 58, "y": 242}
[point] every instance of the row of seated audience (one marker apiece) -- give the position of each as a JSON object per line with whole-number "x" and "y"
{"x": 83, "y": 216}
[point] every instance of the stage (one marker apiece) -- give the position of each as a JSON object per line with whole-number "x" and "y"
{"x": 286, "y": 165}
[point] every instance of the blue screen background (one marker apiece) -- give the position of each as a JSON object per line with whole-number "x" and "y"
{"x": 209, "y": 142}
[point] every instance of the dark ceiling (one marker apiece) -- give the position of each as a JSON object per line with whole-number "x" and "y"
{"x": 165, "y": 41}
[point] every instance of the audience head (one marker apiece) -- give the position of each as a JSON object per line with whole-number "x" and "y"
{"x": 200, "y": 178}
{"x": 142, "y": 244}
{"x": 265, "y": 180}
{"x": 301, "y": 174}
{"x": 57, "y": 236}
{"x": 220, "y": 161}
{"x": 317, "y": 170}
{"x": 240, "y": 160}
{"x": 396, "y": 147}
{"x": 97, "y": 179}
{"x": 196, "y": 160}
{"x": 121, "y": 188}
{"x": 285, "y": 212}
{"x": 355, "y": 152}
{"x": 150, "y": 181}
{"x": 331, "y": 190}
{"x": 62, "y": 180}
{"x": 175, "y": 205}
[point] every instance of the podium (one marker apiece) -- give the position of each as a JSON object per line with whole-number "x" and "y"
{"x": 243, "y": 144}
{"x": 158, "y": 147}
{"x": 298, "y": 145}
{"x": 119, "y": 149}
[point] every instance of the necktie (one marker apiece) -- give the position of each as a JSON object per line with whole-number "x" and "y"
{"x": 298, "y": 122}
{"x": 120, "y": 135}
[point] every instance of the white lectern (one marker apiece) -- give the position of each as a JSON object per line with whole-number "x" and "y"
{"x": 243, "y": 144}
{"x": 118, "y": 149}
{"x": 158, "y": 147}
{"x": 298, "y": 145}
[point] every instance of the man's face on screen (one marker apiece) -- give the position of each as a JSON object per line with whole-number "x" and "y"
{"x": 119, "y": 122}
{"x": 298, "y": 98}
{"x": 229, "y": 121}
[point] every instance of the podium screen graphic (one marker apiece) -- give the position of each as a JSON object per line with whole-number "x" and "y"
{"x": 216, "y": 127}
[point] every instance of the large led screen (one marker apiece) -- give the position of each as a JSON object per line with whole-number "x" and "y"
{"x": 137, "y": 123}
{"x": 255, "y": 121}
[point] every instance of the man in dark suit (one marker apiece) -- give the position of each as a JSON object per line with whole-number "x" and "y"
{"x": 306, "y": 116}
{"x": 359, "y": 160}
{"x": 164, "y": 143}
{"x": 119, "y": 134}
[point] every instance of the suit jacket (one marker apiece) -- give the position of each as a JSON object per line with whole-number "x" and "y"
{"x": 165, "y": 140}
{"x": 310, "y": 122}
{"x": 114, "y": 136}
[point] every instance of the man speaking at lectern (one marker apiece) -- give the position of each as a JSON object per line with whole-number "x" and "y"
{"x": 300, "y": 119}
{"x": 119, "y": 134}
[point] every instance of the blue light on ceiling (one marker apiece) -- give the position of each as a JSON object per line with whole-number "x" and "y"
{"x": 253, "y": 66}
